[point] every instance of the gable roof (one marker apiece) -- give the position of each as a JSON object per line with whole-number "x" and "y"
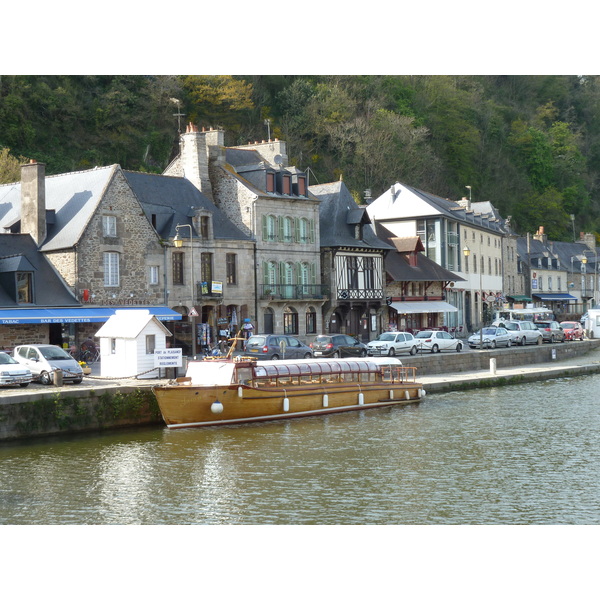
{"x": 397, "y": 264}
{"x": 19, "y": 252}
{"x": 173, "y": 200}
{"x": 338, "y": 214}
{"x": 72, "y": 197}
{"x": 129, "y": 324}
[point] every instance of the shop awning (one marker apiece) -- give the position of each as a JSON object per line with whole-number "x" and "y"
{"x": 22, "y": 316}
{"x": 518, "y": 298}
{"x": 559, "y": 297}
{"x": 423, "y": 307}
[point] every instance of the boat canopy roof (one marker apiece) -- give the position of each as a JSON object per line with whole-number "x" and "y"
{"x": 313, "y": 367}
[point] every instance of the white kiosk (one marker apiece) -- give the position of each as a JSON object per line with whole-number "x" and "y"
{"x": 592, "y": 323}
{"x": 128, "y": 342}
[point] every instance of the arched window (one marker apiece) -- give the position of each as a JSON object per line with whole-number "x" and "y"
{"x": 290, "y": 321}
{"x": 287, "y": 279}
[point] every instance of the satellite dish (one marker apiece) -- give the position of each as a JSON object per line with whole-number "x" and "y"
{"x": 278, "y": 159}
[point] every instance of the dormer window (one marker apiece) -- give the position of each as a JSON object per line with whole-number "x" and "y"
{"x": 301, "y": 186}
{"x": 287, "y": 185}
{"x": 270, "y": 182}
{"x": 24, "y": 288}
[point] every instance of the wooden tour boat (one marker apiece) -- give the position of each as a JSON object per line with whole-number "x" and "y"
{"x": 239, "y": 390}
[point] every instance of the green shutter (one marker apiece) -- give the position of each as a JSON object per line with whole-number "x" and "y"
{"x": 265, "y": 232}
{"x": 280, "y": 228}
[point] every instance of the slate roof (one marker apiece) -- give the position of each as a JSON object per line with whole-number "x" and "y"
{"x": 170, "y": 199}
{"x": 481, "y": 214}
{"x": 237, "y": 157}
{"x": 338, "y": 214}
{"x": 72, "y": 197}
{"x": 18, "y": 251}
{"x": 397, "y": 264}
{"x": 563, "y": 251}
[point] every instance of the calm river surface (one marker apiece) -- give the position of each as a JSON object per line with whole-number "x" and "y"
{"x": 514, "y": 455}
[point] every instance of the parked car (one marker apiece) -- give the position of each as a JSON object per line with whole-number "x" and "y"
{"x": 573, "y": 330}
{"x": 12, "y": 372}
{"x": 43, "y": 359}
{"x": 490, "y": 337}
{"x": 524, "y": 332}
{"x": 275, "y": 347}
{"x": 551, "y": 330}
{"x": 337, "y": 346}
{"x": 435, "y": 341}
{"x": 392, "y": 343}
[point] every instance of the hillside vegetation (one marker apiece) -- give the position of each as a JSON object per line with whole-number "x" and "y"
{"x": 528, "y": 144}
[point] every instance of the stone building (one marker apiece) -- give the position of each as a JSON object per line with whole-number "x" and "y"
{"x": 267, "y": 200}
{"x": 93, "y": 231}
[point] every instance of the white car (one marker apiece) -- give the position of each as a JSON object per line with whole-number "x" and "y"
{"x": 44, "y": 359}
{"x": 392, "y": 343}
{"x": 13, "y": 373}
{"x": 435, "y": 341}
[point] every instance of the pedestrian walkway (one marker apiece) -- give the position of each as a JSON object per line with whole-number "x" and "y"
{"x": 579, "y": 365}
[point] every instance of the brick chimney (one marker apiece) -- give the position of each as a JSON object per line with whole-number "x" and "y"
{"x": 540, "y": 236}
{"x": 33, "y": 200}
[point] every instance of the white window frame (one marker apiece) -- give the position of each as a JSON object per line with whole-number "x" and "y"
{"x": 109, "y": 226}
{"x": 154, "y": 274}
{"x": 111, "y": 269}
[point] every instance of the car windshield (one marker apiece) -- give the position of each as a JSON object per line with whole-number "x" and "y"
{"x": 568, "y": 325}
{"x": 54, "y": 353}
{"x": 6, "y": 359}
{"x": 489, "y": 331}
{"x": 424, "y": 334}
{"x": 255, "y": 339}
{"x": 511, "y": 326}
{"x": 323, "y": 339}
{"x": 387, "y": 337}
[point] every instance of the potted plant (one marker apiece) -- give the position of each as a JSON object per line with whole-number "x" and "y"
{"x": 85, "y": 368}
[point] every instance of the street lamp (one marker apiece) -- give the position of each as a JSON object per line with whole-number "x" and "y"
{"x": 178, "y": 243}
{"x": 469, "y": 188}
{"x": 583, "y": 274}
{"x": 466, "y": 253}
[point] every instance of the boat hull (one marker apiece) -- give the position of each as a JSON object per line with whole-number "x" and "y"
{"x": 198, "y": 406}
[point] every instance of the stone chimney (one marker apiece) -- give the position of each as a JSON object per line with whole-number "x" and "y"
{"x": 589, "y": 239}
{"x": 195, "y": 149}
{"x": 33, "y": 200}
{"x": 465, "y": 203}
{"x": 540, "y": 236}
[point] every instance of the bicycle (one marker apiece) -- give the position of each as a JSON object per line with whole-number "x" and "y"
{"x": 90, "y": 356}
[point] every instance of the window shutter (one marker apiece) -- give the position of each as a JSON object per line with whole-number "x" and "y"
{"x": 311, "y": 230}
{"x": 265, "y": 232}
{"x": 281, "y": 229}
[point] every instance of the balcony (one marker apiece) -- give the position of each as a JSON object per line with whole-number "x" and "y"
{"x": 292, "y": 291}
{"x": 360, "y": 294}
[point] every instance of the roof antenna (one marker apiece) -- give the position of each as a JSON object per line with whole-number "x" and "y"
{"x": 178, "y": 114}
{"x": 268, "y": 124}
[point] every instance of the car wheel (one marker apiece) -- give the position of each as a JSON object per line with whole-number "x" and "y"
{"x": 336, "y": 354}
{"x": 23, "y": 384}
{"x": 522, "y": 341}
{"x": 563, "y": 340}
{"x": 391, "y": 352}
{"x": 493, "y": 344}
{"x": 458, "y": 347}
{"x": 540, "y": 341}
{"x": 435, "y": 348}
{"x": 308, "y": 355}
{"x": 509, "y": 343}
{"x": 413, "y": 350}
{"x": 552, "y": 339}
{"x": 275, "y": 357}
{"x": 45, "y": 378}
{"x": 363, "y": 353}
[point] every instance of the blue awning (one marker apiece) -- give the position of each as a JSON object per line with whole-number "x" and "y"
{"x": 554, "y": 297}
{"x": 22, "y": 316}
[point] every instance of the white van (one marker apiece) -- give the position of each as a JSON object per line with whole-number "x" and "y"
{"x": 44, "y": 359}
{"x": 524, "y": 332}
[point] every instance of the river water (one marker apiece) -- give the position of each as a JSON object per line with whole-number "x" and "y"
{"x": 514, "y": 455}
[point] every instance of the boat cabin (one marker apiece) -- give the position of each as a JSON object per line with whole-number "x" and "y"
{"x": 280, "y": 373}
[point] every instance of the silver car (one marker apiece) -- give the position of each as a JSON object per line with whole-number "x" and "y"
{"x": 490, "y": 337}
{"x": 523, "y": 332}
{"x": 392, "y": 343}
{"x": 44, "y": 359}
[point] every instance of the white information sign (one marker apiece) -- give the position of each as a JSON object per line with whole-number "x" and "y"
{"x": 169, "y": 357}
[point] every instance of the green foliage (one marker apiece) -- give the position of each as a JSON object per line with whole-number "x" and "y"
{"x": 520, "y": 142}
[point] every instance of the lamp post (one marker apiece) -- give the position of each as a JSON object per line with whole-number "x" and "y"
{"x": 178, "y": 243}
{"x": 467, "y": 253}
{"x": 583, "y": 273}
{"x": 469, "y": 188}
